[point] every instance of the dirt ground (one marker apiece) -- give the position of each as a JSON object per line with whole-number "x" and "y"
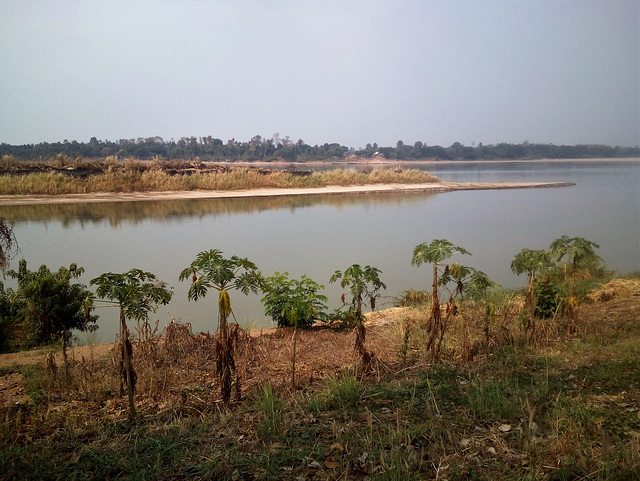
{"x": 321, "y": 352}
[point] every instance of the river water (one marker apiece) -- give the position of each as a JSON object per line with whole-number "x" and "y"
{"x": 315, "y": 235}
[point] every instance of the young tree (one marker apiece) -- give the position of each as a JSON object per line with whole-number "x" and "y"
{"x": 464, "y": 279}
{"x": 48, "y": 305}
{"x": 283, "y": 295}
{"x": 211, "y": 270}
{"x": 531, "y": 262}
{"x": 580, "y": 253}
{"x": 362, "y": 283}
{"x": 136, "y": 293}
{"x": 435, "y": 253}
{"x": 580, "y": 256}
{"x": 295, "y": 303}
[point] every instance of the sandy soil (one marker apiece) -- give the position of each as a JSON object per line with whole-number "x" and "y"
{"x": 207, "y": 194}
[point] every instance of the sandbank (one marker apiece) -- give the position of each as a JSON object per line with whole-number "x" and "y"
{"x": 268, "y": 192}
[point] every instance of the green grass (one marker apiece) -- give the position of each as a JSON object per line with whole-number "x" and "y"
{"x": 343, "y": 391}
{"x": 270, "y": 404}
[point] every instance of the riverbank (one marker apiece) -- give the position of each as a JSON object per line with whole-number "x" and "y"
{"x": 268, "y": 192}
{"x": 495, "y": 407}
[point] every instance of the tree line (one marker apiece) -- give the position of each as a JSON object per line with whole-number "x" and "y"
{"x": 279, "y": 148}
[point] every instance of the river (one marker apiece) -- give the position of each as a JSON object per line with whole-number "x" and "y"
{"x": 315, "y": 235}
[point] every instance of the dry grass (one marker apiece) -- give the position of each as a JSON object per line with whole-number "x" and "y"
{"x": 66, "y": 176}
{"x": 616, "y": 289}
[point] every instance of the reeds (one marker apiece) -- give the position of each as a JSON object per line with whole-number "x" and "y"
{"x": 133, "y": 175}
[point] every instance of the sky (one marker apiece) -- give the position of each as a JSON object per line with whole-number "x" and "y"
{"x": 346, "y": 71}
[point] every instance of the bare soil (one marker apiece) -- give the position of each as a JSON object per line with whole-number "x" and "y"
{"x": 266, "y": 354}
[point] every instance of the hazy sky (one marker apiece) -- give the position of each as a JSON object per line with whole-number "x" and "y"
{"x": 352, "y": 72}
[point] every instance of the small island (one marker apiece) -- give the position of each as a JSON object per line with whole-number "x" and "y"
{"x": 80, "y": 181}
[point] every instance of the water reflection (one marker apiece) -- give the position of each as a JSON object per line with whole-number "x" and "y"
{"x": 116, "y": 213}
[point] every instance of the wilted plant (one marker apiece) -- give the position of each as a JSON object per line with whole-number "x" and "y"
{"x": 412, "y": 298}
{"x": 435, "y": 253}
{"x": 136, "y": 293}
{"x": 364, "y": 283}
{"x": 211, "y": 270}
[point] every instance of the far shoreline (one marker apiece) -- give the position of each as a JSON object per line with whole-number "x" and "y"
{"x": 379, "y": 160}
{"x": 435, "y": 187}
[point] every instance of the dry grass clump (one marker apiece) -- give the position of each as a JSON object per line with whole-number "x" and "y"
{"x": 378, "y": 176}
{"x": 616, "y": 288}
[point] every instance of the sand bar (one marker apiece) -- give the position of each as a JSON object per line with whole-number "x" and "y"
{"x": 267, "y": 192}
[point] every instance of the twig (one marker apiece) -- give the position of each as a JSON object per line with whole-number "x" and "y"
{"x": 411, "y": 367}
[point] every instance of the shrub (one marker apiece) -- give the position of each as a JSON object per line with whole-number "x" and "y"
{"x": 292, "y": 302}
{"x": 546, "y": 299}
{"x": 47, "y": 305}
{"x": 413, "y": 298}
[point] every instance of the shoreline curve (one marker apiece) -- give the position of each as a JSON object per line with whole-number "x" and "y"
{"x": 267, "y": 192}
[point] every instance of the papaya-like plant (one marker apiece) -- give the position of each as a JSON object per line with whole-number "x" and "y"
{"x": 436, "y": 252}
{"x": 363, "y": 283}
{"x": 531, "y": 262}
{"x": 282, "y": 295}
{"x": 136, "y": 293}
{"x": 211, "y": 270}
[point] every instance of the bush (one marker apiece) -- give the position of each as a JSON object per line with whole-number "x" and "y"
{"x": 546, "y": 299}
{"x": 46, "y": 305}
{"x": 292, "y": 302}
{"x": 413, "y": 298}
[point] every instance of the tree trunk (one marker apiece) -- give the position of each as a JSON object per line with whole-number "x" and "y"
{"x": 435, "y": 302}
{"x": 365, "y": 356}
{"x": 64, "y": 354}
{"x": 226, "y": 359}
{"x": 293, "y": 359}
{"x": 124, "y": 338}
{"x": 531, "y": 299}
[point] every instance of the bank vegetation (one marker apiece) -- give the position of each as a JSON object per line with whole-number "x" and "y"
{"x": 464, "y": 380}
{"x": 63, "y": 175}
